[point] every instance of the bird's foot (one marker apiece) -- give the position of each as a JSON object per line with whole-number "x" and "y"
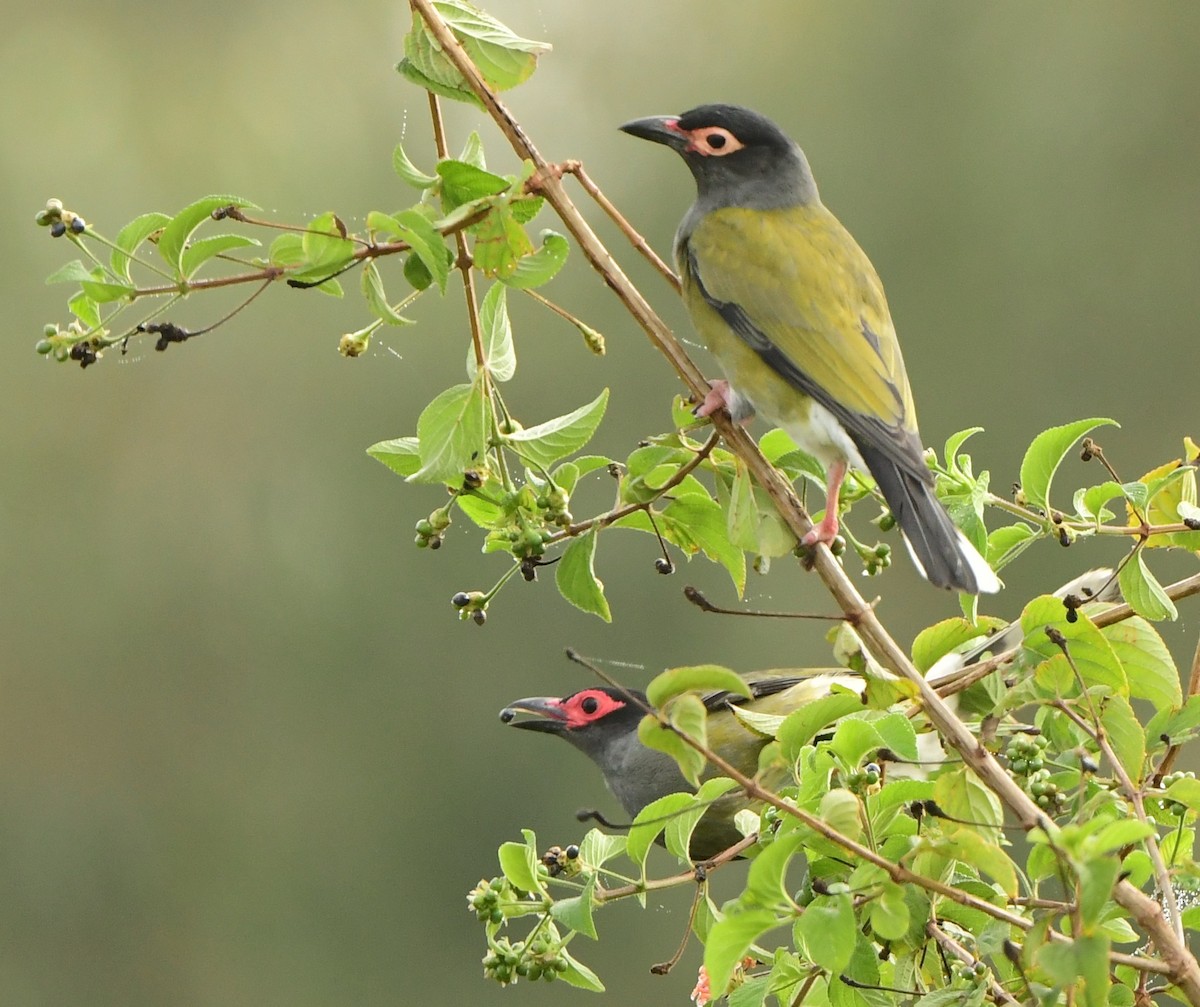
{"x": 721, "y": 396}
{"x": 824, "y": 532}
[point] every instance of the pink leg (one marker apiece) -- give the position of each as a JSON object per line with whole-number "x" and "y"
{"x": 718, "y": 397}
{"x": 827, "y": 530}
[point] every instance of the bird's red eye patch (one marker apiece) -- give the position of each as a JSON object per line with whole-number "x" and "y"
{"x": 713, "y": 141}
{"x": 589, "y": 706}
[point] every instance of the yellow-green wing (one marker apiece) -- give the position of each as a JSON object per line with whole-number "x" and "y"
{"x": 794, "y": 286}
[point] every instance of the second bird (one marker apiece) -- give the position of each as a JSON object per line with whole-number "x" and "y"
{"x": 796, "y": 316}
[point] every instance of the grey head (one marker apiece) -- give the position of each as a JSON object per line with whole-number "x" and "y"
{"x": 737, "y": 157}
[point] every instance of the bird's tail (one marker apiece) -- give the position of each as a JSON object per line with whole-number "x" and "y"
{"x": 938, "y": 549}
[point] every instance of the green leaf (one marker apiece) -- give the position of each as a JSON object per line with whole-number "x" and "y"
{"x": 452, "y": 432}
{"x": 85, "y": 309}
{"x": 518, "y": 862}
{"x": 324, "y": 249}
{"x": 103, "y": 293}
{"x": 728, "y": 942}
{"x": 542, "y": 266}
{"x": 546, "y": 443}
{"x": 954, "y": 442}
{"x": 498, "y": 354}
{"x": 1007, "y": 543}
{"x": 695, "y": 678}
{"x": 841, "y": 810}
{"x": 1089, "y": 503}
{"x": 201, "y": 250}
{"x": 1093, "y": 655}
{"x": 689, "y": 718}
{"x": 576, "y": 913}
{"x": 372, "y": 288}
{"x": 418, "y": 232}
{"x": 650, "y": 822}
{"x": 1191, "y": 917}
{"x": 898, "y": 734}
{"x": 1046, "y": 453}
{"x": 828, "y": 930}
{"x": 1125, "y": 734}
{"x": 961, "y": 795}
{"x": 765, "y": 881}
{"x": 503, "y": 58}
{"x": 678, "y": 831}
{"x": 1083, "y": 959}
{"x": 598, "y": 848}
{"x": 178, "y": 230}
{"x": 286, "y": 250}
{"x": 700, "y": 518}
{"x": 576, "y": 577}
{"x": 1124, "y": 832}
{"x": 853, "y": 739}
{"x": 1148, "y": 664}
{"x": 409, "y": 173}
{"x": 71, "y": 272}
{"x": 802, "y": 725}
{"x": 472, "y": 151}
{"x": 462, "y": 183}
{"x": 402, "y": 455}
{"x": 130, "y": 237}
{"x": 943, "y": 637}
{"x": 579, "y": 975}
{"x": 1143, "y": 591}
{"x": 1185, "y": 791}
{"x": 742, "y": 516}
{"x": 1096, "y": 880}
{"x": 889, "y": 912}
{"x": 751, "y": 993}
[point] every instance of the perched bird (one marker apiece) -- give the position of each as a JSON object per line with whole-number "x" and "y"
{"x": 602, "y": 722}
{"x": 796, "y": 316}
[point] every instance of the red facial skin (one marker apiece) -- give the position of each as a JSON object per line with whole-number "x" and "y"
{"x": 587, "y": 707}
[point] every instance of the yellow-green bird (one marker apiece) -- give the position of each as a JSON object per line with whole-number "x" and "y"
{"x": 796, "y": 316}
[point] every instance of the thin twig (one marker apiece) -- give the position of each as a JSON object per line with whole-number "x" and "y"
{"x": 1168, "y": 759}
{"x": 999, "y": 993}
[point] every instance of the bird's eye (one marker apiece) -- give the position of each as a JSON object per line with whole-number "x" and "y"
{"x": 589, "y": 705}
{"x": 715, "y": 141}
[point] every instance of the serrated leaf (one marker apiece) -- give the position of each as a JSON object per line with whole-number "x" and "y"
{"x": 765, "y": 880}
{"x": 701, "y": 519}
{"x": 841, "y": 810}
{"x": 372, "y": 289}
{"x": 598, "y": 848}
{"x": 130, "y": 237}
{"x": 1143, "y": 591}
{"x": 1089, "y": 503}
{"x": 728, "y": 942}
{"x": 1007, "y": 543}
{"x": 694, "y": 678}
{"x": 1125, "y": 734}
{"x": 546, "y": 443}
{"x": 802, "y": 725}
{"x": 70, "y": 272}
{"x": 498, "y": 354}
{"x": 462, "y": 183}
{"x": 452, "y": 432}
{"x": 1090, "y": 650}
{"x": 286, "y": 250}
{"x": 542, "y": 266}
{"x": 85, "y": 309}
{"x": 953, "y": 443}
{"x": 898, "y": 734}
{"x": 402, "y": 455}
{"x": 828, "y": 929}
{"x": 325, "y": 248}
{"x": 1125, "y": 832}
{"x": 889, "y": 912}
{"x": 853, "y": 739}
{"x": 576, "y": 913}
{"x": 178, "y": 230}
{"x": 1046, "y": 453}
{"x": 576, "y": 577}
{"x": 201, "y": 250}
{"x": 941, "y": 638}
{"x": 409, "y": 173}
{"x": 1148, "y": 664}
{"x": 961, "y": 795}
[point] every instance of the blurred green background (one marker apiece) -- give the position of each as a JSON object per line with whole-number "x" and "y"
{"x": 249, "y": 755}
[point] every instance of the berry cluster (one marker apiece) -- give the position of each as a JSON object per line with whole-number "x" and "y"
{"x": 562, "y": 862}
{"x": 59, "y": 220}
{"x": 537, "y": 958}
{"x": 484, "y": 900}
{"x": 1171, "y": 808}
{"x": 1046, "y": 793}
{"x": 865, "y": 780}
{"x": 1025, "y": 753}
{"x": 431, "y": 530}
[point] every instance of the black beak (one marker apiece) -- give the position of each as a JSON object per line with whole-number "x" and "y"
{"x": 658, "y": 129}
{"x": 545, "y": 713}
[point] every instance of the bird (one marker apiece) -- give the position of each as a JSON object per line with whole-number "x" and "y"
{"x": 795, "y": 315}
{"x": 602, "y": 722}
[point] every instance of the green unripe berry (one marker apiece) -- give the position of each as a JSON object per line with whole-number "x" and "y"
{"x": 421, "y": 541}
{"x": 439, "y": 520}
{"x": 424, "y": 527}
{"x": 887, "y": 522}
{"x": 43, "y": 346}
{"x": 54, "y": 207}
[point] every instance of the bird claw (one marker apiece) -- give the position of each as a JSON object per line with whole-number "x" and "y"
{"x": 718, "y": 398}
{"x": 823, "y": 533}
